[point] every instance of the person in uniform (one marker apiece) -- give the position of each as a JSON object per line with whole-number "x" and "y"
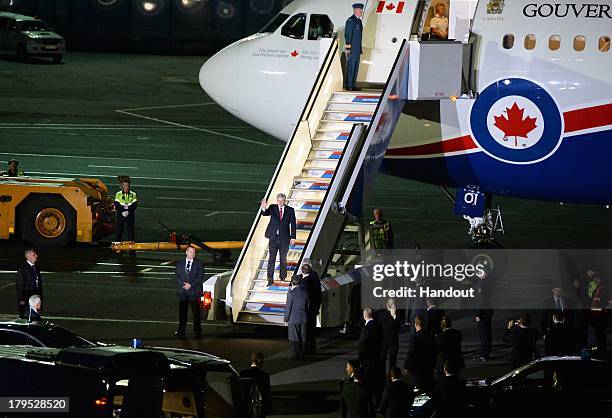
{"x": 382, "y": 231}
{"x": 353, "y": 33}
{"x": 438, "y": 25}
{"x": 13, "y": 169}
{"x": 29, "y": 280}
{"x": 125, "y": 206}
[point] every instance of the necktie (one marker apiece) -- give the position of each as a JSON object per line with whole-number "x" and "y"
{"x": 281, "y": 213}
{"x": 559, "y": 307}
{"x": 188, "y": 267}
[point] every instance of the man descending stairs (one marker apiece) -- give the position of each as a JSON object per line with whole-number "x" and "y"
{"x": 266, "y": 299}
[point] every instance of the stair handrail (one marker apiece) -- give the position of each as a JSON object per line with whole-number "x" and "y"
{"x": 316, "y": 88}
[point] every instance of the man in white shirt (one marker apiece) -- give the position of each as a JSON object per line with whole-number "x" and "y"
{"x": 438, "y": 26}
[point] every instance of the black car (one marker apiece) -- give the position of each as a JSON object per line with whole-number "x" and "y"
{"x": 40, "y": 334}
{"x": 109, "y": 381}
{"x": 551, "y": 386}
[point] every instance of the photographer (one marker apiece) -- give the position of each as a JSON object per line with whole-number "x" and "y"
{"x": 524, "y": 339}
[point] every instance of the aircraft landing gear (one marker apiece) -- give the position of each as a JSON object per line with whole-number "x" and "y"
{"x": 483, "y": 229}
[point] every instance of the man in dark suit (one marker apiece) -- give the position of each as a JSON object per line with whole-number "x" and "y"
{"x": 556, "y": 303}
{"x": 484, "y": 315}
{"x": 356, "y": 401}
{"x": 33, "y": 312}
{"x": 560, "y": 339}
{"x": 523, "y": 338}
{"x": 296, "y": 317}
{"x": 420, "y": 361}
{"x": 189, "y": 278}
{"x": 398, "y": 396}
{"x": 310, "y": 280}
{"x": 262, "y": 379}
{"x": 433, "y": 317}
{"x": 448, "y": 347}
{"x": 370, "y": 341}
{"x": 449, "y": 394}
{"x": 29, "y": 280}
{"x": 281, "y": 233}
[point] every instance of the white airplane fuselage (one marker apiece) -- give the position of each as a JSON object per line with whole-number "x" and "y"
{"x": 536, "y": 118}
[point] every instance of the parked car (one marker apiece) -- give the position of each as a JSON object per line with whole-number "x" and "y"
{"x": 30, "y": 37}
{"x": 557, "y": 386}
{"x": 107, "y": 381}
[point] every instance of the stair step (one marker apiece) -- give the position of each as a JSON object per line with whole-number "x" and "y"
{"x": 317, "y": 185}
{"x": 345, "y": 121}
{"x": 266, "y": 302}
{"x": 269, "y": 291}
{"x": 349, "y": 112}
{"x": 328, "y": 149}
{"x": 360, "y": 102}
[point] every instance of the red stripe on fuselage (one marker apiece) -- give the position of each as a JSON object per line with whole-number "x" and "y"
{"x": 462, "y": 143}
{"x": 590, "y": 117}
{"x": 381, "y": 6}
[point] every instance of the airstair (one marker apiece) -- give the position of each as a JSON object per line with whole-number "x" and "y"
{"x": 336, "y": 144}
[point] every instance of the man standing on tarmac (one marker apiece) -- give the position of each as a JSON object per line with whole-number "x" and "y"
{"x": 281, "y": 233}
{"x": 353, "y": 34}
{"x": 29, "y": 280}
{"x": 125, "y": 206}
{"x": 189, "y": 278}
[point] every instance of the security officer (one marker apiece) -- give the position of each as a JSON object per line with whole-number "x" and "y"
{"x": 13, "y": 169}
{"x": 353, "y": 32}
{"x": 382, "y": 232}
{"x": 125, "y": 206}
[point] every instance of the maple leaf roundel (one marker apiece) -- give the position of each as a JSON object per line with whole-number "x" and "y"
{"x": 516, "y": 121}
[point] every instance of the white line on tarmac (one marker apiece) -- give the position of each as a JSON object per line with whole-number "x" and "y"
{"x": 193, "y": 127}
{"x": 226, "y": 212}
{"x": 84, "y": 157}
{"x": 145, "y": 177}
{"x": 183, "y": 198}
{"x": 6, "y": 286}
{"x": 171, "y": 106}
{"x": 112, "y": 166}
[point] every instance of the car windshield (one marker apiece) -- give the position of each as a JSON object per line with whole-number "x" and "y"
{"x": 33, "y": 25}
{"x": 274, "y": 23}
{"x": 58, "y": 337}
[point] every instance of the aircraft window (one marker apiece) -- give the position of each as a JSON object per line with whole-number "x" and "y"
{"x": 579, "y": 43}
{"x": 508, "y": 41}
{"x": 295, "y": 26}
{"x": 554, "y": 42}
{"x": 530, "y": 41}
{"x": 274, "y": 24}
{"x": 604, "y": 43}
{"x": 320, "y": 26}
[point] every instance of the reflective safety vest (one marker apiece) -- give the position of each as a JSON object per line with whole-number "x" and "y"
{"x": 125, "y": 198}
{"x": 379, "y": 234}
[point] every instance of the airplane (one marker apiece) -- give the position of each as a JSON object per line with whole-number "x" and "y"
{"x": 534, "y": 119}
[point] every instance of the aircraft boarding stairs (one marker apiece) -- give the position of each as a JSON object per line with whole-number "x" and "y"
{"x": 334, "y": 153}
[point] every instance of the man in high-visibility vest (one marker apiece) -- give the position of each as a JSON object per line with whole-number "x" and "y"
{"x": 13, "y": 170}
{"x": 382, "y": 232}
{"x": 125, "y": 206}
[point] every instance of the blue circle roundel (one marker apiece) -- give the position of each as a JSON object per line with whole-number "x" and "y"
{"x": 516, "y": 121}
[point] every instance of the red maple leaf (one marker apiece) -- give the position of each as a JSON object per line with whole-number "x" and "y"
{"x": 514, "y": 125}
{"x": 294, "y": 54}
{"x": 390, "y": 6}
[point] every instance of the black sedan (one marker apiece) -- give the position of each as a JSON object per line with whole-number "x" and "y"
{"x": 40, "y": 334}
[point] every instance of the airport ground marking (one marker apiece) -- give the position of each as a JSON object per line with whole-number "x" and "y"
{"x": 170, "y": 106}
{"x": 210, "y": 131}
{"x": 113, "y": 166}
{"x": 85, "y": 157}
{"x": 184, "y": 198}
{"x": 146, "y": 177}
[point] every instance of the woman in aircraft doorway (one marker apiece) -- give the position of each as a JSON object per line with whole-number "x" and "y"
{"x": 438, "y": 26}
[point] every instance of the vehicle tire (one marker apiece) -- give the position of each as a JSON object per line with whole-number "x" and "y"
{"x": 22, "y": 53}
{"x": 57, "y": 58}
{"x": 47, "y": 221}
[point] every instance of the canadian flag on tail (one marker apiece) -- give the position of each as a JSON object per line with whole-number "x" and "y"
{"x": 392, "y": 7}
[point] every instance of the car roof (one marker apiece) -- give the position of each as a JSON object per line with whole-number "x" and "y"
{"x": 17, "y": 16}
